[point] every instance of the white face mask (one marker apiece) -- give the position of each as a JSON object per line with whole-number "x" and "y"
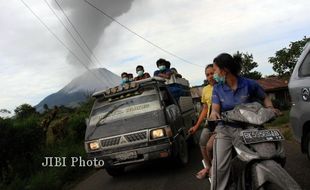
{"x": 140, "y": 73}
{"x": 162, "y": 67}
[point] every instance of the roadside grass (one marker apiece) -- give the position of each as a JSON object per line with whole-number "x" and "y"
{"x": 25, "y": 142}
{"x": 282, "y": 123}
{"x": 281, "y": 120}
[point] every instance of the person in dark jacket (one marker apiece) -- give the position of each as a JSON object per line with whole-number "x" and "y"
{"x": 163, "y": 69}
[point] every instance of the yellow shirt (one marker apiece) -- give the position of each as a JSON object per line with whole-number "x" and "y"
{"x": 206, "y": 97}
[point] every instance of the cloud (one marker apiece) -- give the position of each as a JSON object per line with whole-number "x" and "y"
{"x": 34, "y": 64}
{"x": 199, "y": 31}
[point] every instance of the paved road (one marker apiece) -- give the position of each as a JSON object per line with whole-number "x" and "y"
{"x": 164, "y": 176}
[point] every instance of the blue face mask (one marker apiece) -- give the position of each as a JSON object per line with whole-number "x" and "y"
{"x": 219, "y": 79}
{"x": 125, "y": 79}
{"x": 140, "y": 73}
{"x": 162, "y": 67}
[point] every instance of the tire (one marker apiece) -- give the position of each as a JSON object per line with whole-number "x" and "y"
{"x": 115, "y": 171}
{"x": 308, "y": 145}
{"x": 182, "y": 155}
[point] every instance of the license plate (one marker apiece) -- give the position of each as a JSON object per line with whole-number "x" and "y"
{"x": 127, "y": 156}
{"x": 258, "y": 136}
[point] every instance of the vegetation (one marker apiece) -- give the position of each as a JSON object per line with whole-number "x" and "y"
{"x": 248, "y": 64}
{"x": 28, "y": 137}
{"x": 281, "y": 120}
{"x": 286, "y": 58}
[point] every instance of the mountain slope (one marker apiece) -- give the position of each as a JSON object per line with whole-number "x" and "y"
{"x": 80, "y": 87}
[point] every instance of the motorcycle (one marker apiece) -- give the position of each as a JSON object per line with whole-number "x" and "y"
{"x": 258, "y": 153}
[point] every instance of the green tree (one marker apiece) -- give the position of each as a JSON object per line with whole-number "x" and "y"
{"x": 24, "y": 111}
{"x": 286, "y": 58}
{"x": 5, "y": 111}
{"x": 248, "y": 64}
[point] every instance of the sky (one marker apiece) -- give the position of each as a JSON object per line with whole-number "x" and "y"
{"x": 34, "y": 64}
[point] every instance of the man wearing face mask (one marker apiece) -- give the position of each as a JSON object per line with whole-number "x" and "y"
{"x": 125, "y": 78}
{"x": 141, "y": 74}
{"x": 164, "y": 69}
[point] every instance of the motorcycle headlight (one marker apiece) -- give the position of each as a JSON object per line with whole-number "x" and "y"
{"x": 94, "y": 145}
{"x": 157, "y": 133}
{"x": 245, "y": 156}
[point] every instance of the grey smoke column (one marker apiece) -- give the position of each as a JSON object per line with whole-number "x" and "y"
{"x": 89, "y": 22}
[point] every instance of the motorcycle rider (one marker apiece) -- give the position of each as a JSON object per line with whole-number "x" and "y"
{"x": 207, "y": 130}
{"x": 230, "y": 90}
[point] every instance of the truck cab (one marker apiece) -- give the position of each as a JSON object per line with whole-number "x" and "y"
{"x": 140, "y": 121}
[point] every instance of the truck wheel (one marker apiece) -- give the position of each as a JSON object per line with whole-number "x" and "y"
{"x": 308, "y": 145}
{"x": 115, "y": 171}
{"x": 182, "y": 156}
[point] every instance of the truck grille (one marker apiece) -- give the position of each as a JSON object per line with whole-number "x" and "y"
{"x": 136, "y": 136}
{"x": 140, "y": 136}
{"x": 110, "y": 142}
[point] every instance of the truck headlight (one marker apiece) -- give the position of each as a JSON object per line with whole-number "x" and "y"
{"x": 157, "y": 133}
{"x": 94, "y": 145}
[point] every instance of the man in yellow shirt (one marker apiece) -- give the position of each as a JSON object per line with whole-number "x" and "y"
{"x": 206, "y": 100}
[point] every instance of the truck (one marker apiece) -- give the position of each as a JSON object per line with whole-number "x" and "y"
{"x": 140, "y": 121}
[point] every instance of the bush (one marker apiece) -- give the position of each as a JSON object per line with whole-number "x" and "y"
{"x": 23, "y": 148}
{"x": 46, "y": 179}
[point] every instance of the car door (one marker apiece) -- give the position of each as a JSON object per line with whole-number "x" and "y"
{"x": 300, "y": 94}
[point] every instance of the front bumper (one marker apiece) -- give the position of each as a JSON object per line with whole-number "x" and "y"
{"x": 143, "y": 154}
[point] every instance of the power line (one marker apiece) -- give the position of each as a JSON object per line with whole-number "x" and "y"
{"x": 75, "y": 29}
{"x": 79, "y": 60}
{"x": 71, "y": 34}
{"x": 133, "y": 32}
{"x": 81, "y": 38}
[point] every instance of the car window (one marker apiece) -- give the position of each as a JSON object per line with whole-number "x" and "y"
{"x": 304, "y": 69}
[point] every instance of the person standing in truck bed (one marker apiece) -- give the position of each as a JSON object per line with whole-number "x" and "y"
{"x": 164, "y": 69}
{"x": 141, "y": 74}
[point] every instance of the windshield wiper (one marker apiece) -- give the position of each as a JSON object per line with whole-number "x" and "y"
{"x": 107, "y": 114}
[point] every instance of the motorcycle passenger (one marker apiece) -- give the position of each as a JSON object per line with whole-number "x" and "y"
{"x": 208, "y": 129}
{"x": 230, "y": 90}
{"x": 164, "y": 69}
{"x": 141, "y": 74}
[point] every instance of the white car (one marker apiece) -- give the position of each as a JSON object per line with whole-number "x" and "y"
{"x": 299, "y": 87}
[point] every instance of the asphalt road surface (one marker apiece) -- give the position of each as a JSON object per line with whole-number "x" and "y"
{"x": 163, "y": 175}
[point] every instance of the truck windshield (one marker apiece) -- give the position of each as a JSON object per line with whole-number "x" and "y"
{"x": 105, "y": 111}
